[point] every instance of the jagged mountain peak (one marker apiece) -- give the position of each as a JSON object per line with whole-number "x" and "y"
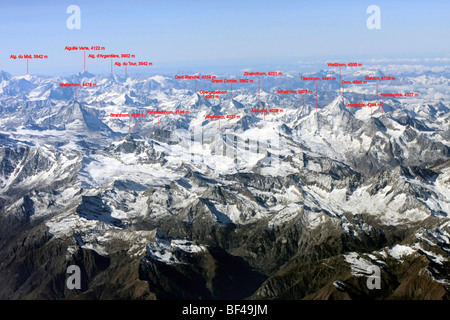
{"x": 337, "y": 106}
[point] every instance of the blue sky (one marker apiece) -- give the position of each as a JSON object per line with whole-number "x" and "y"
{"x": 196, "y": 34}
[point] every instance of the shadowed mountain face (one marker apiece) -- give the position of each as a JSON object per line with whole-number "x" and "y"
{"x": 186, "y": 197}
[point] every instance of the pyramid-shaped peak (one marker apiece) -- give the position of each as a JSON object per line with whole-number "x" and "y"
{"x": 336, "y": 107}
{"x": 128, "y": 138}
{"x": 76, "y": 104}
